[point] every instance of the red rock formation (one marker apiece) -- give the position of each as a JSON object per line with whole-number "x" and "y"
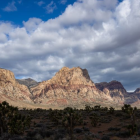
{"x": 11, "y": 89}
{"x": 68, "y": 86}
{"x": 114, "y": 89}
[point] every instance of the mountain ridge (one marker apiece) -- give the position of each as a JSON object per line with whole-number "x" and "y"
{"x": 68, "y": 87}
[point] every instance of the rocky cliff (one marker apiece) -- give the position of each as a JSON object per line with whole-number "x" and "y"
{"x": 137, "y": 91}
{"x": 114, "y": 89}
{"x": 11, "y": 89}
{"x": 69, "y": 86}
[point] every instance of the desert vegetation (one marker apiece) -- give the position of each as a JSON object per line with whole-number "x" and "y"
{"x": 90, "y": 123}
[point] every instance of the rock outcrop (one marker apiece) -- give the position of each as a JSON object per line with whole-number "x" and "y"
{"x": 137, "y": 91}
{"x": 68, "y": 87}
{"x": 114, "y": 89}
{"x": 27, "y": 82}
{"x": 11, "y": 89}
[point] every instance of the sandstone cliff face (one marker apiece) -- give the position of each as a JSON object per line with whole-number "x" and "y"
{"x": 11, "y": 89}
{"x": 68, "y": 87}
{"x": 114, "y": 89}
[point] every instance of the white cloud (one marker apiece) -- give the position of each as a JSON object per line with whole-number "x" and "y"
{"x": 98, "y": 35}
{"x": 10, "y": 7}
{"x": 85, "y": 12}
{"x": 40, "y": 3}
{"x": 32, "y": 24}
{"x": 50, "y": 7}
{"x": 63, "y": 1}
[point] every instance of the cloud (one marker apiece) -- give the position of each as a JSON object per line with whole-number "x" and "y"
{"x": 50, "y": 7}
{"x": 10, "y": 7}
{"x": 63, "y": 1}
{"x": 40, "y": 3}
{"x": 101, "y": 36}
{"x": 32, "y": 24}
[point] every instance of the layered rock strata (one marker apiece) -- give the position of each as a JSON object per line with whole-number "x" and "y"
{"x": 68, "y": 87}
{"x": 114, "y": 89}
{"x": 11, "y": 89}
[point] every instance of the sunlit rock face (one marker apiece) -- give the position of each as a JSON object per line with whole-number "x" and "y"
{"x": 73, "y": 86}
{"x": 68, "y": 87}
{"x": 11, "y": 89}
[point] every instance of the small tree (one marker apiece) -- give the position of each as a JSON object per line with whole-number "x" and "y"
{"x": 94, "y": 119}
{"x": 70, "y": 119}
{"x": 131, "y": 111}
{"x": 111, "y": 110}
{"x": 88, "y": 108}
{"x": 97, "y": 108}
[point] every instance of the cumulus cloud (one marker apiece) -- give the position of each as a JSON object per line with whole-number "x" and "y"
{"x": 10, "y": 7}
{"x": 101, "y": 36}
{"x": 32, "y": 24}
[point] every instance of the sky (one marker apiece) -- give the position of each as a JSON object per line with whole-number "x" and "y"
{"x": 39, "y": 37}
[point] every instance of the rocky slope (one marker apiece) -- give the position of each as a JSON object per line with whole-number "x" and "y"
{"x": 27, "y": 82}
{"x": 10, "y": 89}
{"x": 68, "y": 87}
{"x": 137, "y": 91}
{"x": 134, "y": 98}
{"x": 114, "y": 89}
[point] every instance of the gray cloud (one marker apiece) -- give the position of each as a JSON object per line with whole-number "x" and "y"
{"x": 101, "y": 36}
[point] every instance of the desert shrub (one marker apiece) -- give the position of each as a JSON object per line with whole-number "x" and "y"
{"x": 11, "y": 121}
{"x": 70, "y": 119}
{"x": 131, "y": 113}
{"x": 94, "y": 119}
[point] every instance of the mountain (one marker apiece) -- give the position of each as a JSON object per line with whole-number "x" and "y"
{"x": 68, "y": 87}
{"x": 27, "y": 82}
{"x": 135, "y": 97}
{"x": 137, "y": 91}
{"x": 11, "y": 90}
{"x": 114, "y": 89}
